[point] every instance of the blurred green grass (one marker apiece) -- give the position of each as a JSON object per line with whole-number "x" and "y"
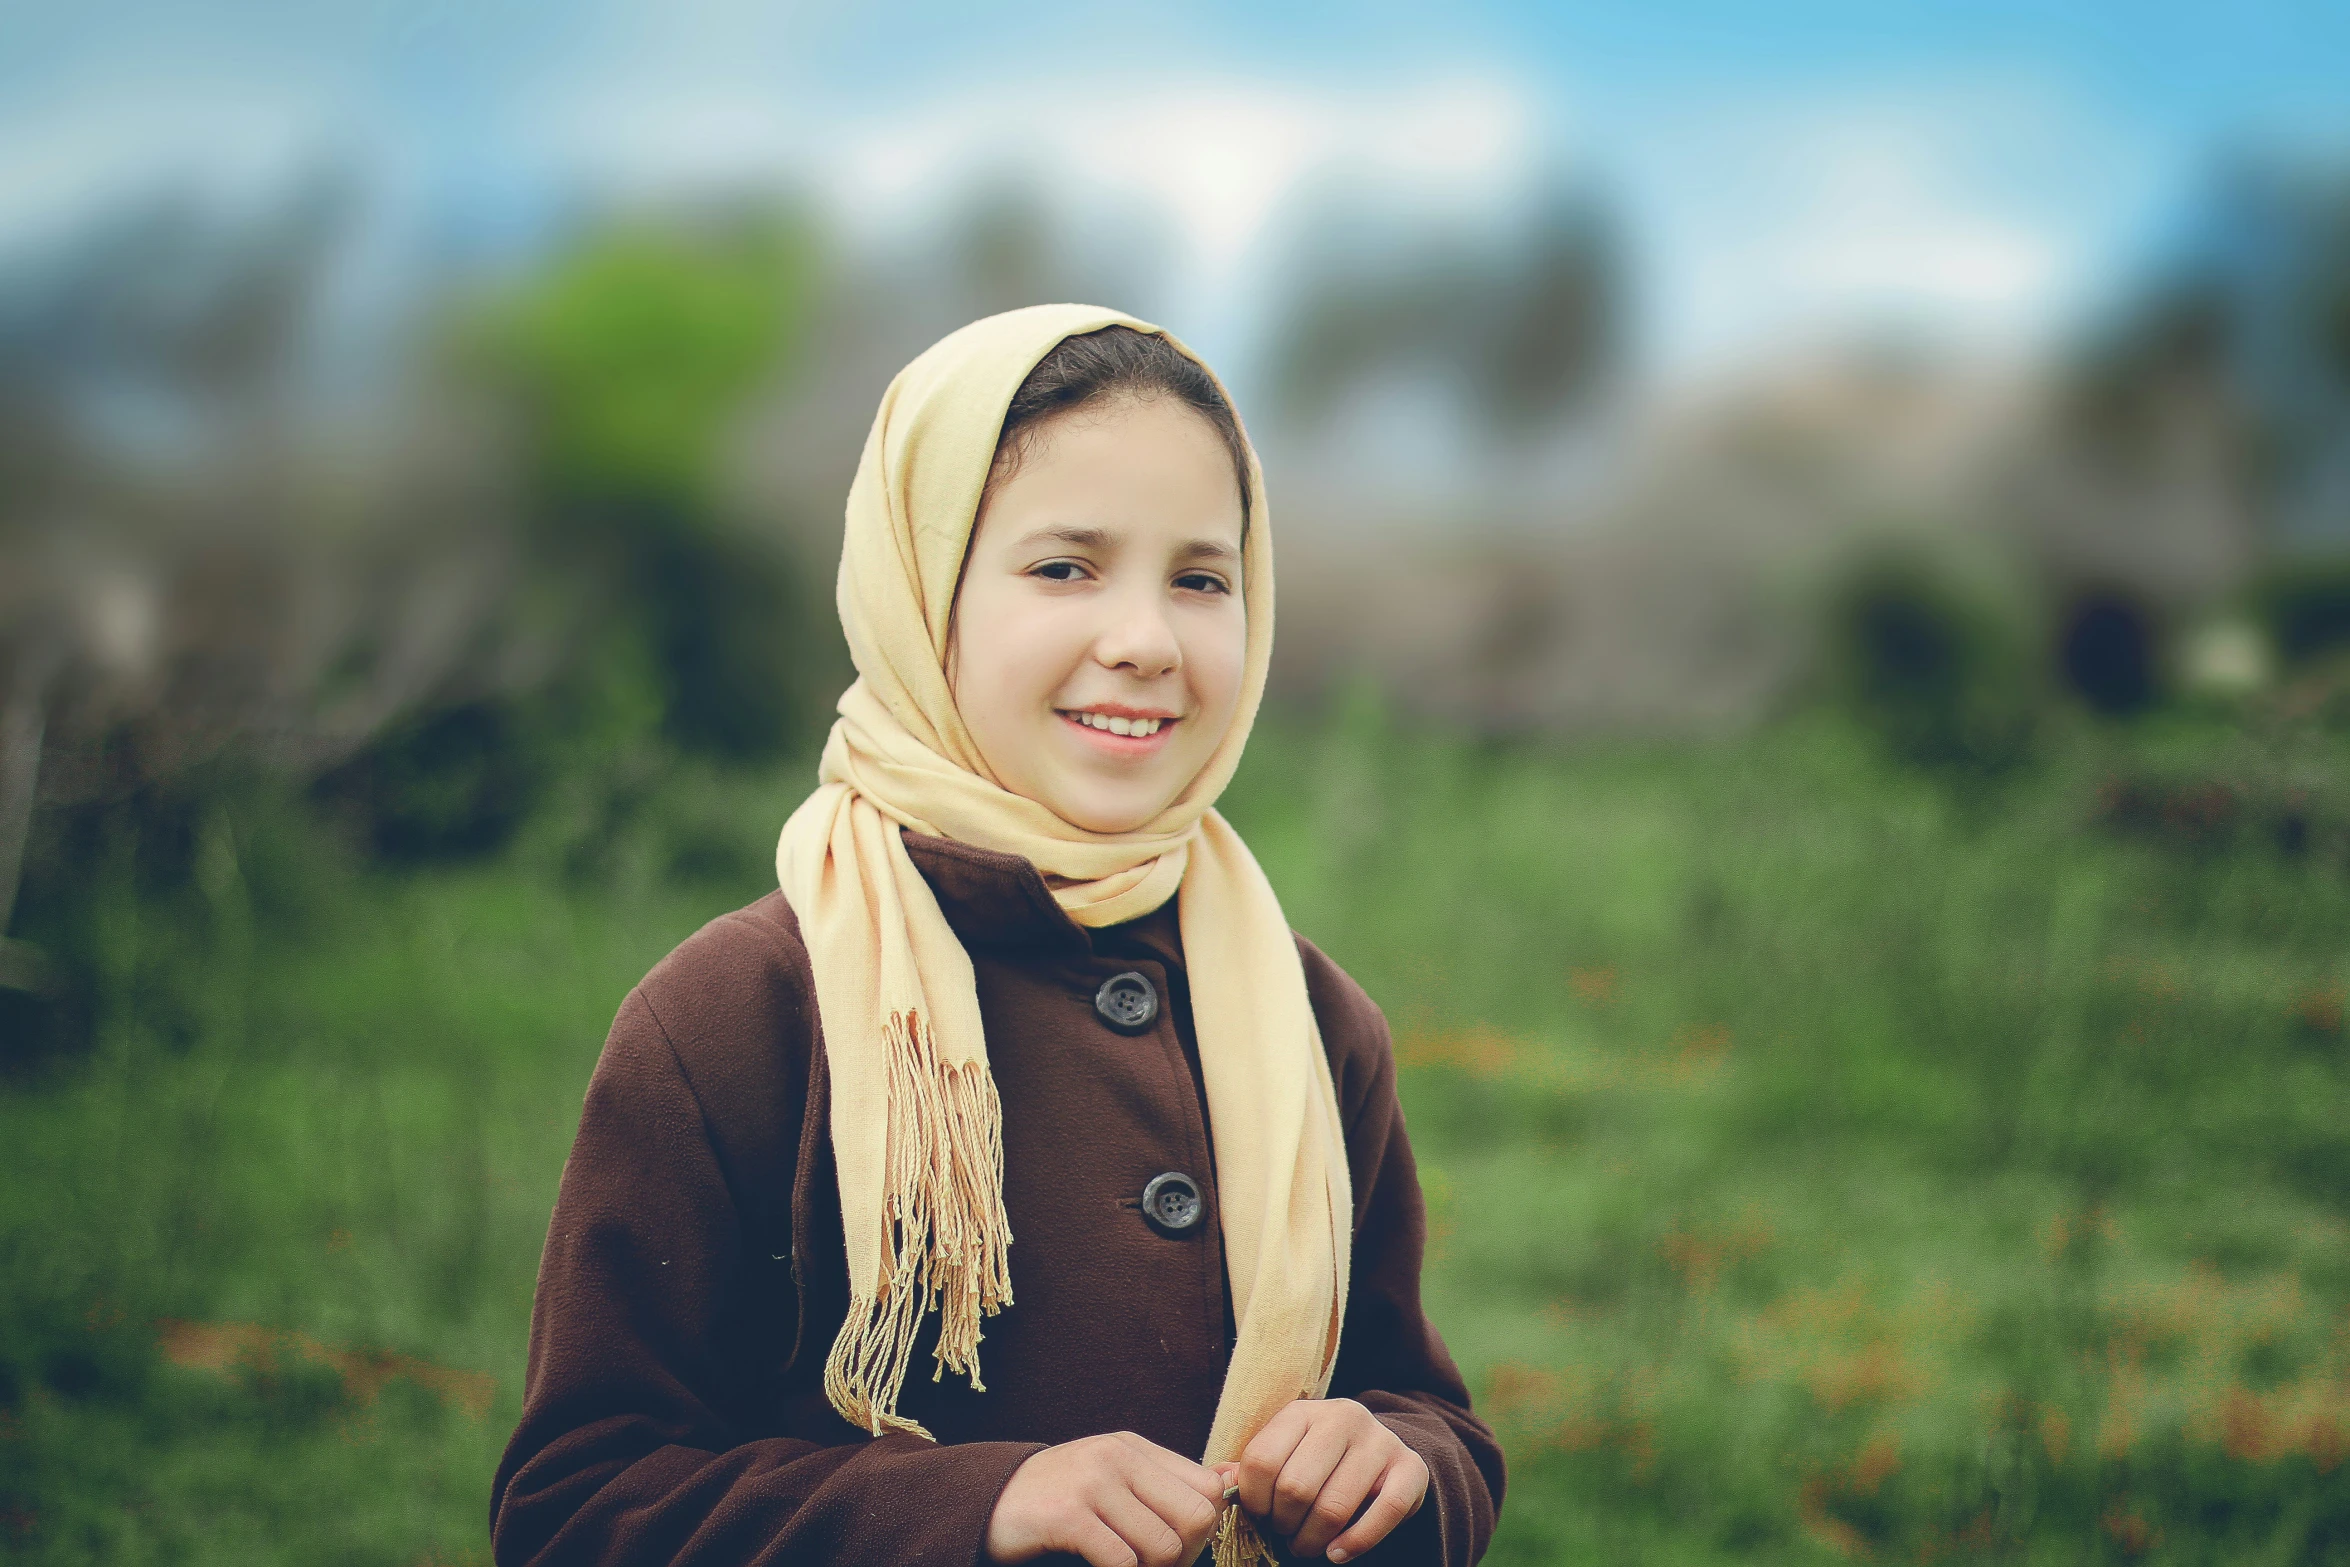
{"x": 1827, "y": 1164}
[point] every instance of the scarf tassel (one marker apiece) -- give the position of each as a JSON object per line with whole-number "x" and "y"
{"x": 951, "y": 1244}
{"x": 1237, "y": 1542}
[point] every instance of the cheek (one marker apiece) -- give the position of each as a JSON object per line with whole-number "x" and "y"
{"x": 1218, "y": 658}
{"x": 1012, "y": 654}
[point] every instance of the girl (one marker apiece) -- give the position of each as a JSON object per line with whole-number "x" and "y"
{"x": 1020, "y": 983}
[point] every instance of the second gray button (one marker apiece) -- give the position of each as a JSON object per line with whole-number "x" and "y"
{"x": 1171, "y": 1203}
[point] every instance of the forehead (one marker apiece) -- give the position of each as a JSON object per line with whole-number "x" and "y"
{"x": 1131, "y": 462}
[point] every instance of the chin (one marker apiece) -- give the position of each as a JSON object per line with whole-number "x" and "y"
{"x": 1110, "y": 822}
{"x": 1109, "y": 816}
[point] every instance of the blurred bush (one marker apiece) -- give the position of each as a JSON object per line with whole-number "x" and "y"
{"x": 2305, "y": 608}
{"x": 2109, "y": 651}
{"x": 1935, "y": 666}
{"x": 443, "y": 783}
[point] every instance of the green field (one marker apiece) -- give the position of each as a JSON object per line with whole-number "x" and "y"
{"x": 1828, "y": 1164}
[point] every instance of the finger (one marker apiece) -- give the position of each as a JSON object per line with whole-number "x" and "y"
{"x": 1341, "y": 1497}
{"x": 1400, "y": 1495}
{"x": 1261, "y": 1460}
{"x": 1196, "y": 1478}
{"x": 1302, "y": 1478}
{"x": 1179, "y": 1506}
{"x": 1101, "y": 1545}
{"x": 1144, "y": 1531}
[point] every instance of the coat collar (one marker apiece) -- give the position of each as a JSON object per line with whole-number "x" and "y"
{"x": 999, "y": 903}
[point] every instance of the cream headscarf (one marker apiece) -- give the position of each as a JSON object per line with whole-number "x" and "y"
{"x": 916, "y": 1126}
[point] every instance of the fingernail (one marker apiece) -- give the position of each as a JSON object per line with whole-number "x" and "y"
{"x": 1338, "y": 1555}
{"x": 1231, "y": 1494}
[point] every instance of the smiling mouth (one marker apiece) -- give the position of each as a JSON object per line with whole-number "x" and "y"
{"x": 1118, "y": 732}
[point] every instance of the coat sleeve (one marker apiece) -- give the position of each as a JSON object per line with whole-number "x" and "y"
{"x": 1390, "y": 1357}
{"x": 650, "y": 1430}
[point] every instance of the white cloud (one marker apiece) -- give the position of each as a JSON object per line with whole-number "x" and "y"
{"x": 1218, "y": 156}
{"x": 1214, "y": 163}
{"x": 1976, "y": 213}
{"x": 1973, "y": 211}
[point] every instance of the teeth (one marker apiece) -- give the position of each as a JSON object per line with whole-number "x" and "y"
{"x": 1120, "y": 726}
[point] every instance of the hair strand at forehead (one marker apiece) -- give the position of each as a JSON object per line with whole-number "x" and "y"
{"x": 1108, "y": 363}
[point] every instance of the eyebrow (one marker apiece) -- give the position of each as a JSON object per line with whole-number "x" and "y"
{"x": 1100, "y": 539}
{"x": 1082, "y": 538}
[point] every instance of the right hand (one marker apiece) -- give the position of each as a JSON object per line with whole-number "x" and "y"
{"x": 1115, "y": 1500}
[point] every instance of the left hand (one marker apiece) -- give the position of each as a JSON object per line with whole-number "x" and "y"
{"x": 1311, "y": 1469}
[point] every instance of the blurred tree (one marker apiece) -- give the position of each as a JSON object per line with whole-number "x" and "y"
{"x": 628, "y": 362}
{"x": 631, "y": 352}
{"x": 241, "y": 550}
{"x": 1526, "y": 326}
{"x": 2241, "y": 343}
{"x": 1556, "y": 329}
{"x": 1006, "y": 250}
{"x": 2200, "y": 444}
{"x": 166, "y": 613}
{"x": 24, "y": 969}
{"x": 1008, "y": 242}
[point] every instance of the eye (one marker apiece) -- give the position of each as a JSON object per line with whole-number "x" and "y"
{"x": 1058, "y": 570}
{"x": 1203, "y": 582}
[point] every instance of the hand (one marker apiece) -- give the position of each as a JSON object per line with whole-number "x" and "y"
{"x": 1117, "y": 1501}
{"x": 1308, "y": 1473}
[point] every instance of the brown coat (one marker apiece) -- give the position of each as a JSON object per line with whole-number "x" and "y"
{"x": 694, "y": 1274}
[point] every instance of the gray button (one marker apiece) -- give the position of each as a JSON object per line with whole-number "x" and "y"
{"x": 1171, "y": 1202}
{"x": 1127, "y": 1002}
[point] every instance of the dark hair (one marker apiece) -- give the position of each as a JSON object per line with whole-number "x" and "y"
{"x": 1115, "y": 361}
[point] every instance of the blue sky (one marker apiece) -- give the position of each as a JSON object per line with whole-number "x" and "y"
{"x": 1985, "y": 170}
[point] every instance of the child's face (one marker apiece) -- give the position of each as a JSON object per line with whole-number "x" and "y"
{"x": 1103, "y": 584}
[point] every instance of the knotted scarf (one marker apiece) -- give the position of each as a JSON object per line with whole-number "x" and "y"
{"x": 917, "y": 1128}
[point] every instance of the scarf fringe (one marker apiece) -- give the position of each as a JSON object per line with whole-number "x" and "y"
{"x": 1237, "y": 1542}
{"x": 943, "y": 1196}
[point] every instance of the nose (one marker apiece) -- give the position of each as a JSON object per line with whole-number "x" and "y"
{"x": 1138, "y": 637}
